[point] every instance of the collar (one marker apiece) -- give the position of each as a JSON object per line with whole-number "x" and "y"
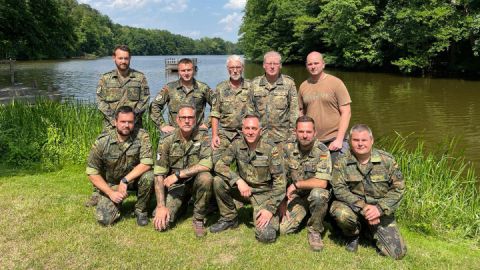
{"x": 374, "y": 158}
{"x": 264, "y": 80}
{"x": 196, "y": 136}
{"x": 178, "y": 84}
{"x": 131, "y": 73}
{"x": 114, "y": 138}
{"x": 259, "y": 149}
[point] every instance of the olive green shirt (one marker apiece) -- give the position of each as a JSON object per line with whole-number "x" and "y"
{"x": 175, "y": 153}
{"x": 260, "y": 169}
{"x": 174, "y": 94}
{"x": 113, "y": 92}
{"x": 379, "y": 182}
{"x": 230, "y": 106}
{"x": 315, "y": 163}
{"x": 277, "y": 106}
{"x": 113, "y": 159}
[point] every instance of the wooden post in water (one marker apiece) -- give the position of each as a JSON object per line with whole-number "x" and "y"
{"x": 12, "y": 71}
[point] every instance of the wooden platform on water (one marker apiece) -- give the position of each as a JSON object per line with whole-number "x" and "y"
{"x": 171, "y": 64}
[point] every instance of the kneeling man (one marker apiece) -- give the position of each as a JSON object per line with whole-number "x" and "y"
{"x": 309, "y": 169}
{"x": 184, "y": 161}
{"x": 368, "y": 187}
{"x": 260, "y": 180}
{"x": 121, "y": 158}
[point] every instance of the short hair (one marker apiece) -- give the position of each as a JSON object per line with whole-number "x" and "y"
{"x": 360, "y": 128}
{"x": 122, "y": 47}
{"x": 305, "y": 119}
{"x": 185, "y": 61}
{"x": 235, "y": 57}
{"x": 252, "y": 115}
{"x": 187, "y": 105}
{"x": 272, "y": 53}
{"x": 123, "y": 109}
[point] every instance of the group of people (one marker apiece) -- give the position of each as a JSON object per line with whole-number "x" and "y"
{"x": 286, "y": 152}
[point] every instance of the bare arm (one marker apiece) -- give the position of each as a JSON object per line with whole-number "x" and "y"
{"x": 215, "y": 139}
{"x": 160, "y": 191}
{"x": 345, "y": 114}
{"x": 311, "y": 183}
{"x": 98, "y": 181}
{"x": 137, "y": 171}
{"x": 193, "y": 170}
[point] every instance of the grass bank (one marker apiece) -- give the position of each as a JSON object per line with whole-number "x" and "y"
{"x": 45, "y": 226}
{"x": 442, "y": 198}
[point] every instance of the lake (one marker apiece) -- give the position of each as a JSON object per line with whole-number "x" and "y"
{"x": 432, "y": 109}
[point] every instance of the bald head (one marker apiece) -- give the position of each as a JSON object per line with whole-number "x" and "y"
{"x": 315, "y": 65}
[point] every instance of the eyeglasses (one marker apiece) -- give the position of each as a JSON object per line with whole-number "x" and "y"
{"x": 184, "y": 118}
{"x": 235, "y": 68}
{"x": 272, "y": 64}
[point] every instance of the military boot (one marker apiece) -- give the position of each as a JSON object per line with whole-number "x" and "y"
{"x": 352, "y": 244}
{"x": 315, "y": 241}
{"x": 93, "y": 201}
{"x": 142, "y": 218}
{"x": 199, "y": 228}
{"x": 223, "y": 225}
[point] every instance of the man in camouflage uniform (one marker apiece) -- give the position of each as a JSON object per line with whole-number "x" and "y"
{"x": 185, "y": 90}
{"x": 232, "y": 98}
{"x": 368, "y": 187}
{"x": 121, "y": 158}
{"x": 309, "y": 169}
{"x": 122, "y": 86}
{"x": 260, "y": 180}
{"x": 183, "y": 168}
{"x": 275, "y": 100}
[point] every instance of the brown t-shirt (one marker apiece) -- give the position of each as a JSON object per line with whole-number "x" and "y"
{"x": 322, "y": 101}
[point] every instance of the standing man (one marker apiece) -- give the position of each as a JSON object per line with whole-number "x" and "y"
{"x": 121, "y": 158}
{"x": 260, "y": 180}
{"x": 230, "y": 105}
{"x": 185, "y": 90}
{"x": 368, "y": 187}
{"x": 325, "y": 98}
{"x": 122, "y": 86}
{"x": 309, "y": 169}
{"x": 182, "y": 170}
{"x": 275, "y": 99}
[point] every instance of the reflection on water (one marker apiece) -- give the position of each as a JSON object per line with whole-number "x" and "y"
{"x": 433, "y": 109}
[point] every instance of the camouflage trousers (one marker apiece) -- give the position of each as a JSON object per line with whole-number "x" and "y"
{"x": 315, "y": 202}
{"x": 225, "y": 196}
{"x": 107, "y": 212}
{"x": 224, "y": 143}
{"x": 200, "y": 188}
{"x": 386, "y": 234}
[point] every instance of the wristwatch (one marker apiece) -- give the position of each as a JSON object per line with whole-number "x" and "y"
{"x": 177, "y": 174}
{"x": 124, "y": 180}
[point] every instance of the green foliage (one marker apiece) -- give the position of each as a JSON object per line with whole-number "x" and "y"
{"x": 64, "y": 28}
{"x": 442, "y": 196}
{"x": 413, "y": 36}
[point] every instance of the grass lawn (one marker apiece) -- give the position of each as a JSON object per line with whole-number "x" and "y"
{"x": 44, "y": 225}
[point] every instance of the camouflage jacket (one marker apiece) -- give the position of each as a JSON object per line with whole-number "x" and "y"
{"x": 113, "y": 159}
{"x": 173, "y": 94}
{"x": 113, "y": 93}
{"x": 261, "y": 169}
{"x": 174, "y": 153}
{"x": 380, "y": 182}
{"x": 277, "y": 106}
{"x": 314, "y": 164}
{"x": 230, "y": 106}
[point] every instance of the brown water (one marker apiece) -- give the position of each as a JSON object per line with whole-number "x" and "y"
{"x": 433, "y": 110}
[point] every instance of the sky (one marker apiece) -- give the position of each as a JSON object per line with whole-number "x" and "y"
{"x": 191, "y": 18}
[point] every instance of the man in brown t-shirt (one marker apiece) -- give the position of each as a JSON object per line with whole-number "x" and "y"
{"x": 325, "y": 98}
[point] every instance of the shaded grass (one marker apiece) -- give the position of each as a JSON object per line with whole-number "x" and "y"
{"x": 45, "y": 226}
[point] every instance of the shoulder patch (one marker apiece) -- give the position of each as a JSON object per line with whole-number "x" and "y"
{"x": 384, "y": 153}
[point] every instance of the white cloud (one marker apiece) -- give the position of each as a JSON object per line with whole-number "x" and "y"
{"x": 231, "y": 21}
{"x": 165, "y": 5}
{"x": 235, "y": 4}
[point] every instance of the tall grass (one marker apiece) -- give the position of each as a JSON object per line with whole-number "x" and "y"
{"x": 51, "y": 134}
{"x": 441, "y": 198}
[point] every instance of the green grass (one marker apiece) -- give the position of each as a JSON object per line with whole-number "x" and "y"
{"x": 44, "y": 225}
